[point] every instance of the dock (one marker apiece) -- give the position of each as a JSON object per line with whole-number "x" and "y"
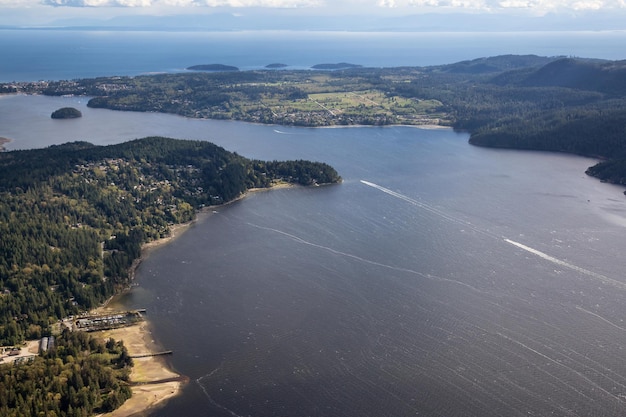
{"x": 146, "y": 355}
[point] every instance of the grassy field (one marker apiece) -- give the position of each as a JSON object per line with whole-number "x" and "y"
{"x": 368, "y": 103}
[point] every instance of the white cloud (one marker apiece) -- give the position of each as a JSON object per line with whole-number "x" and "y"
{"x": 257, "y": 3}
{"x": 19, "y": 3}
{"x": 588, "y": 5}
{"x": 99, "y": 3}
{"x": 536, "y": 6}
{"x": 424, "y": 3}
{"x": 450, "y": 4}
{"x": 329, "y": 7}
{"x": 514, "y": 4}
{"x": 184, "y": 3}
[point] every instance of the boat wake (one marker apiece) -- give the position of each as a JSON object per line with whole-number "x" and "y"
{"x": 604, "y": 279}
{"x": 573, "y": 267}
{"x": 429, "y": 208}
{"x": 211, "y": 400}
{"x": 367, "y": 261}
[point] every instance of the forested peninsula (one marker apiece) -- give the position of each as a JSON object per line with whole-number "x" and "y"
{"x": 73, "y": 219}
{"x": 559, "y": 104}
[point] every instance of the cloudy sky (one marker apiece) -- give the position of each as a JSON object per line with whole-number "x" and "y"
{"x": 56, "y": 12}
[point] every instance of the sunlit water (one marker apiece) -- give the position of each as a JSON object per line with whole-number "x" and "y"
{"x": 438, "y": 279}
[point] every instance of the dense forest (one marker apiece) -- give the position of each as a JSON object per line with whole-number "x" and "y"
{"x": 559, "y": 104}
{"x": 73, "y": 217}
{"x": 566, "y": 105}
{"x": 78, "y": 377}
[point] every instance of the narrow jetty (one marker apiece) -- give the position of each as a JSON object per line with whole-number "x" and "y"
{"x": 145, "y": 355}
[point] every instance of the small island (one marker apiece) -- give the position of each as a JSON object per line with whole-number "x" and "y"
{"x": 341, "y": 65}
{"x": 66, "y": 113}
{"x": 212, "y": 67}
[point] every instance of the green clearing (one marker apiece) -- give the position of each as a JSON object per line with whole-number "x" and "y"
{"x": 368, "y": 103}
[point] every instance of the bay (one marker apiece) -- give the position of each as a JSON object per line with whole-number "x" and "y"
{"x": 438, "y": 279}
{"x": 475, "y": 283}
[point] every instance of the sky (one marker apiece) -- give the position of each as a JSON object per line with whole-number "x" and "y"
{"x": 581, "y": 14}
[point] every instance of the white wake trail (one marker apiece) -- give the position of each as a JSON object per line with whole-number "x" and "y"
{"x": 610, "y": 323}
{"x": 560, "y": 262}
{"x": 428, "y": 208}
{"x": 542, "y": 255}
{"x": 211, "y": 400}
{"x": 364, "y": 260}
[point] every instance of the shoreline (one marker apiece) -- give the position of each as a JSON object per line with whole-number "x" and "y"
{"x": 153, "y": 383}
{"x": 153, "y": 380}
{"x": 176, "y": 230}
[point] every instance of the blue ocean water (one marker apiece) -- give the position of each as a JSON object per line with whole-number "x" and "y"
{"x": 68, "y": 54}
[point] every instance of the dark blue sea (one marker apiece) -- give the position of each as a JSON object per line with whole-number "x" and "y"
{"x": 31, "y": 55}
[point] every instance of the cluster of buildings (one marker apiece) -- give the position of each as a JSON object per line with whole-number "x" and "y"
{"x": 105, "y": 322}
{"x": 15, "y": 355}
{"x": 46, "y": 343}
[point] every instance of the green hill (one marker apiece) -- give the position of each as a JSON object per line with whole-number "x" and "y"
{"x": 602, "y": 76}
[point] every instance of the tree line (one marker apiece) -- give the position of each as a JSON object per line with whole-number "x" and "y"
{"x": 78, "y": 377}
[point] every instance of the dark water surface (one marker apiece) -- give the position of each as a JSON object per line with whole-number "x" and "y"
{"x": 438, "y": 279}
{"x": 469, "y": 283}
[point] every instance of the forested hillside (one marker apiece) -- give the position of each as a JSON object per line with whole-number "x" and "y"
{"x": 73, "y": 217}
{"x": 80, "y": 376}
{"x": 567, "y": 105}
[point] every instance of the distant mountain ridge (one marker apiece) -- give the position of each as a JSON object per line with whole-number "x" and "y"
{"x": 497, "y": 64}
{"x": 287, "y": 20}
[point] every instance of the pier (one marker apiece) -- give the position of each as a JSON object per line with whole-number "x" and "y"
{"x": 145, "y": 355}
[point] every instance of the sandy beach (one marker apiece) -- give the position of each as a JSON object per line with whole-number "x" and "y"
{"x": 152, "y": 381}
